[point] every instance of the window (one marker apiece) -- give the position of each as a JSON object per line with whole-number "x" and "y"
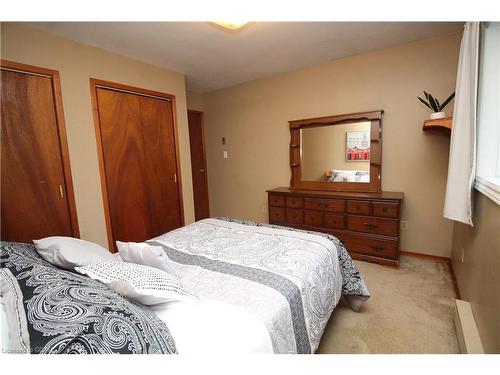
{"x": 488, "y": 113}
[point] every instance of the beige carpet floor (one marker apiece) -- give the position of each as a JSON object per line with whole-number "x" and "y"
{"x": 410, "y": 311}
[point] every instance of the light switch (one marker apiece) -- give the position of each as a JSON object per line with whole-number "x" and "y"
{"x": 225, "y": 154}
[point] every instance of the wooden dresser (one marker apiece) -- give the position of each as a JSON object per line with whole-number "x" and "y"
{"x": 366, "y": 223}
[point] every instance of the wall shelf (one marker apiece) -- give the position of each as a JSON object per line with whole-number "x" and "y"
{"x": 441, "y": 124}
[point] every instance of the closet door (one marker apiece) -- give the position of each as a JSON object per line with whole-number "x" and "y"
{"x": 139, "y": 164}
{"x": 37, "y": 196}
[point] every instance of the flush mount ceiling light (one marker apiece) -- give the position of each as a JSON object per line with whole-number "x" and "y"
{"x": 232, "y": 26}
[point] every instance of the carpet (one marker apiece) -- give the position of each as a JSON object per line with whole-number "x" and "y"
{"x": 410, "y": 311}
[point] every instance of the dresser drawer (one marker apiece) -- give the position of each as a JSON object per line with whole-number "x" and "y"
{"x": 370, "y": 224}
{"x": 358, "y": 207}
{"x": 294, "y": 216}
{"x": 276, "y": 200}
{"x": 385, "y": 209}
{"x": 295, "y": 202}
{"x": 325, "y": 204}
{"x": 369, "y": 246}
{"x": 277, "y": 214}
{"x": 313, "y": 218}
{"x": 334, "y": 220}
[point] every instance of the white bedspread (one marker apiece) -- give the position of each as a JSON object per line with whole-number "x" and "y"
{"x": 288, "y": 281}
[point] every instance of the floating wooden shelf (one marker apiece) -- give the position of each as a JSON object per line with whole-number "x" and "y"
{"x": 440, "y": 124}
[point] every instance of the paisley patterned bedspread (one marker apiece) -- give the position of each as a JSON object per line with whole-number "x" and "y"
{"x": 289, "y": 279}
{"x": 59, "y": 311}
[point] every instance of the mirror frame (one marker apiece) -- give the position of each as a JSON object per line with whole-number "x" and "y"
{"x": 374, "y": 186}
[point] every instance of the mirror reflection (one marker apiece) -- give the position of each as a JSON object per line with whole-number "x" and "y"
{"x": 336, "y": 153}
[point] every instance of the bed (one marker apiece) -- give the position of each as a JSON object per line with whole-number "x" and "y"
{"x": 337, "y": 175}
{"x": 262, "y": 289}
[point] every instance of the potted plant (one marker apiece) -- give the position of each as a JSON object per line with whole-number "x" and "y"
{"x": 434, "y": 105}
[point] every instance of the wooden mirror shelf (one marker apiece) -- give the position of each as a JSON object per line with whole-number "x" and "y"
{"x": 359, "y": 214}
{"x": 441, "y": 124}
{"x": 375, "y": 167}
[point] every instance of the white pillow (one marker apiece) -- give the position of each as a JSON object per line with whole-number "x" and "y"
{"x": 147, "y": 255}
{"x": 146, "y": 285}
{"x": 117, "y": 257}
{"x": 69, "y": 252}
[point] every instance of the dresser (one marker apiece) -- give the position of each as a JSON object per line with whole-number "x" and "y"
{"x": 366, "y": 223}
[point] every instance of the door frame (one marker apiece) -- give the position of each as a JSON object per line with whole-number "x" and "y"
{"x": 94, "y": 85}
{"x": 53, "y": 75}
{"x": 202, "y": 123}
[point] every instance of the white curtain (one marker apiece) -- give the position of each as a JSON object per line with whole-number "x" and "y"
{"x": 462, "y": 161}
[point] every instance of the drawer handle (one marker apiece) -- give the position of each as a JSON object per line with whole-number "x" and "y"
{"x": 384, "y": 209}
{"x": 378, "y": 248}
{"x": 370, "y": 226}
{"x": 323, "y": 206}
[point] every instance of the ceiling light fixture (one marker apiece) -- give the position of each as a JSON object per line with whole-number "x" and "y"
{"x": 230, "y": 25}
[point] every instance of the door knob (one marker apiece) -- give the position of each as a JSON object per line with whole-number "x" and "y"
{"x": 202, "y": 170}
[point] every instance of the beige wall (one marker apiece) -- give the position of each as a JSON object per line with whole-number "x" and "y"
{"x": 253, "y": 117}
{"x": 195, "y": 101}
{"x": 76, "y": 63}
{"x": 477, "y": 276}
{"x": 324, "y": 149}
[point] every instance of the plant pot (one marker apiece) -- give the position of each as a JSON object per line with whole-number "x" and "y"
{"x": 436, "y": 115}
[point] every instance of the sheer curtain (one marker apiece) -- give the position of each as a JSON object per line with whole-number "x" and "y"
{"x": 462, "y": 160}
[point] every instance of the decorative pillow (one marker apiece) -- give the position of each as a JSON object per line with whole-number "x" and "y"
{"x": 147, "y": 255}
{"x": 69, "y": 252}
{"x": 146, "y": 285}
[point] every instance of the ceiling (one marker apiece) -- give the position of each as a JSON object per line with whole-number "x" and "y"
{"x": 212, "y": 59}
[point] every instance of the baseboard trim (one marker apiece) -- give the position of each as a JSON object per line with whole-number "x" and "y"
{"x": 454, "y": 279}
{"x": 469, "y": 340}
{"x": 425, "y": 256}
{"x": 438, "y": 259}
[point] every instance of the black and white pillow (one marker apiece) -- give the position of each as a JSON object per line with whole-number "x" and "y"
{"x": 144, "y": 284}
{"x": 48, "y": 310}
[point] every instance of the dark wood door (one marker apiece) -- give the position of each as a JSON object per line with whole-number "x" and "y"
{"x": 198, "y": 164}
{"x": 139, "y": 157}
{"x": 34, "y": 198}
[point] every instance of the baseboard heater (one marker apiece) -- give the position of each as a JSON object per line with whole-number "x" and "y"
{"x": 467, "y": 333}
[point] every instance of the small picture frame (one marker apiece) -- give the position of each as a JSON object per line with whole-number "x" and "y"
{"x": 357, "y": 145}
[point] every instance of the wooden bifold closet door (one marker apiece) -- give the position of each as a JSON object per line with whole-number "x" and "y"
{"x": 37, "y": 193}
{"x": 139, "y": 169}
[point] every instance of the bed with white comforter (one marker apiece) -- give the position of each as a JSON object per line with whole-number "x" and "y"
{"x": 290, "y": 280}
{"x": 262, "y": 289}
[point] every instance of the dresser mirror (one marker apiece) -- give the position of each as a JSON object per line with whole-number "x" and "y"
{"x": 341, "y": 152}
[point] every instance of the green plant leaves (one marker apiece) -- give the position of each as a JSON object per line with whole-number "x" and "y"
{"x": 424, "y": 102}
{"x": 445, "y": 103}
{"x": 433, "y": 103}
